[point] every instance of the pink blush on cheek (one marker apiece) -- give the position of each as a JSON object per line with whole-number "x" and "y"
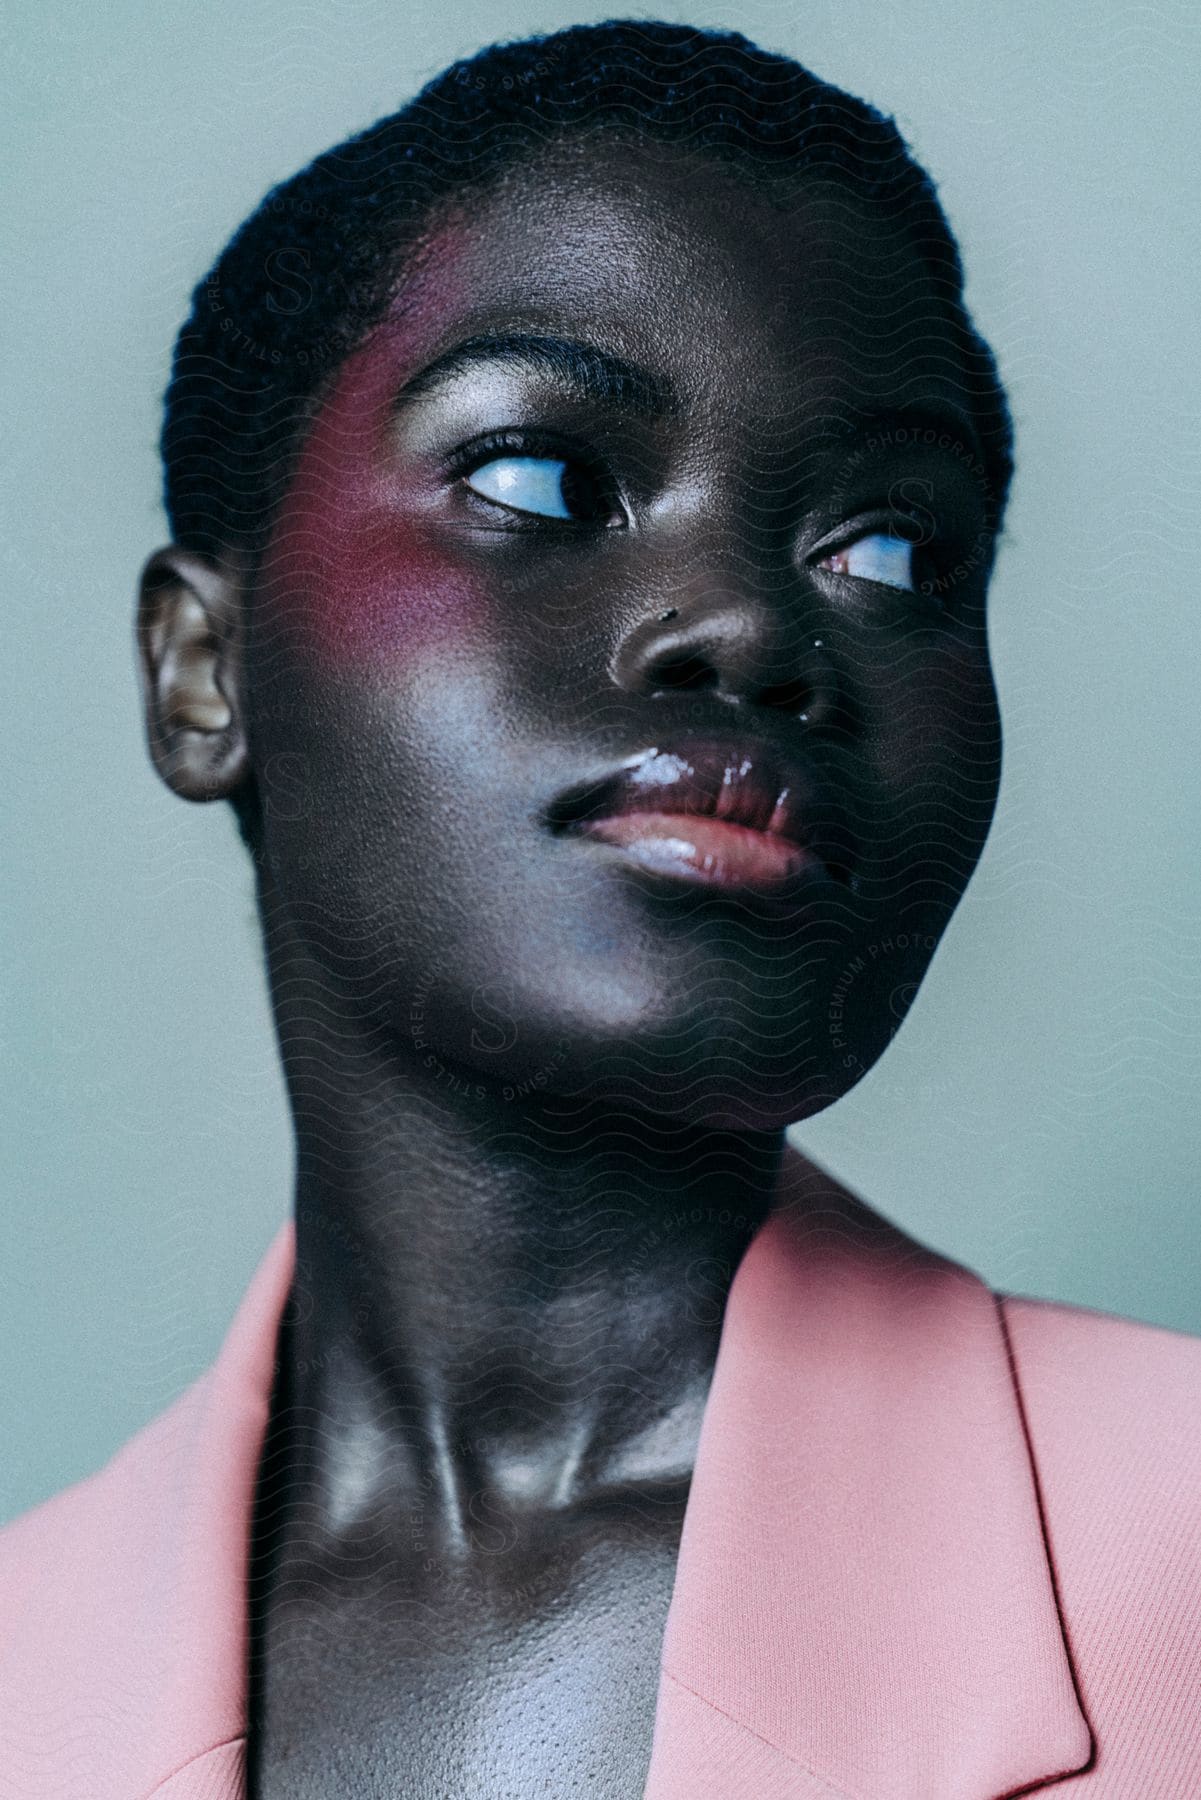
{"x": 352, "y": 577}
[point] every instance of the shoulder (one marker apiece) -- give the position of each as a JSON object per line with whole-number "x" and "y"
{"x": 78, "y": 1542}
{"x": 1112, "y": 1409}
{"x": 123, "y": 1598}
{"x": 94, "y": 1584}
{"x": 1106, "y": 1382}
{"x": 186, "y": 1472}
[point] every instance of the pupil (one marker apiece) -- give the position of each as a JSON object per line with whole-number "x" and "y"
{"x": 580, "y": 493}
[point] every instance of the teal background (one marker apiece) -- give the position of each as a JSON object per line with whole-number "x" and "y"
{"x": 1038, "y": 1115}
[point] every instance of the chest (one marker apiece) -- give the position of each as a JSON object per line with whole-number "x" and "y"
{"x": 502, "y": 1680}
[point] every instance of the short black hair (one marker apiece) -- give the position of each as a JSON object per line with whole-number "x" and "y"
{"x": 315, "y": 266}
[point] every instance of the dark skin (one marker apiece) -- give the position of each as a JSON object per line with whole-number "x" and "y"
{"x": 539, "y": 1093}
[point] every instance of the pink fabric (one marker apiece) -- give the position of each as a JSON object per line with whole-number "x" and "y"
{"x": 939, "y": 1546}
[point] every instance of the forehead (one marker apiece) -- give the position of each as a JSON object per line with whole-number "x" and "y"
{"x": 818, "y": 301}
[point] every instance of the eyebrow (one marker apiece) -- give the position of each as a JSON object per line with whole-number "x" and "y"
{"x": 602, "y": 376}
{"x": 585, "y": 370}
{"x": 933, "y": 426}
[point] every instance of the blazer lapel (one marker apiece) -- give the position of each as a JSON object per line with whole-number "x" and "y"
{"x": 864, "y": 1604}
{"x": 194, "y": 1554}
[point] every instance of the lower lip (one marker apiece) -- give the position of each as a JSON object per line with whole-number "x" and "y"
{"x": 704, "y": 850}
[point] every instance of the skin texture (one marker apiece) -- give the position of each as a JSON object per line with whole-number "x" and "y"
{"x": 539, "y": 1094}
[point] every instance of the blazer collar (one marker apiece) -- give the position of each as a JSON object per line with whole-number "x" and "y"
{"x": 863, "y": 1603}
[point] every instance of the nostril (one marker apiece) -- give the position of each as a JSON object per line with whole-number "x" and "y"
{"x": 788, "y": 696}
{"x": 693, "y": 672}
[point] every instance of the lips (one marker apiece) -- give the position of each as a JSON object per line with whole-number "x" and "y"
{"x": 727, "y": 815}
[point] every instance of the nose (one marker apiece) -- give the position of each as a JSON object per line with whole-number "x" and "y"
{"x": 760, "y": 648}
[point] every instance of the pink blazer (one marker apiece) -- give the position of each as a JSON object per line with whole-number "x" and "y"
{"x": 941, "y": 1544}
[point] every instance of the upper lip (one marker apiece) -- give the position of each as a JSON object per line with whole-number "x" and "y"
{"x": 741, "y": 781}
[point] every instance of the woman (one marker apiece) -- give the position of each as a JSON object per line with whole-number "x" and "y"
{"x": 585, "y": 486}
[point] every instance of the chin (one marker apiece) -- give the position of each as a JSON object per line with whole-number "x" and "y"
{"x": 752, "y": 1053}
{"x": 714, "y": 1101}
{"x": 712, "y": 1072}
{"x": 714, "y": 1027}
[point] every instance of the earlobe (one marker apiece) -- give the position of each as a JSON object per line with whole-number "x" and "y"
{"x": 188, "y": 634}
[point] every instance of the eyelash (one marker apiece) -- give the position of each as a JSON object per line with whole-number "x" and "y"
{"x": 473, "y": 455}
{"x": 935, "y": 550}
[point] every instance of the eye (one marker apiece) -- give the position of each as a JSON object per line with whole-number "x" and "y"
{"x": 547, "y": 486}
{"x": 878, "y": 556}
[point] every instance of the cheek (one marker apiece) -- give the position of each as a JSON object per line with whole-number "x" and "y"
{"x": 351, "y": 579}
{"x": 360, "y": 589}
{"x": 936, "y": 716}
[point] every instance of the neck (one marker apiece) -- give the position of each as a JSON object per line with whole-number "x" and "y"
{"x": 498, "y": 1304}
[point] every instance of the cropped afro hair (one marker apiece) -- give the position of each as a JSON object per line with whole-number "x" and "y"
{"x": 316, "y": 265}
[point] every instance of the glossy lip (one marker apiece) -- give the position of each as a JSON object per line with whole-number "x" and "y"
{"x": 725, "y": 814}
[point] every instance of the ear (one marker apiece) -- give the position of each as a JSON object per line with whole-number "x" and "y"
{"x": 189, "y": 642}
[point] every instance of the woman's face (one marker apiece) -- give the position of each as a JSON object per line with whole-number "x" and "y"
{"x": 618, "y": 685}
